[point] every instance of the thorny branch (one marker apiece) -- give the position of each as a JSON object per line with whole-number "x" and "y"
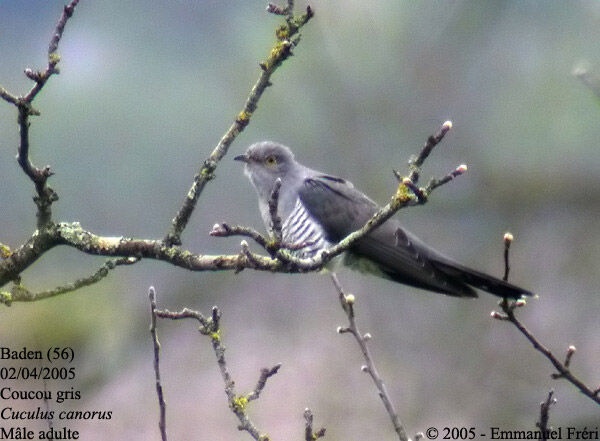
{"x": 211, "y": 328}
{"x": 347, "y": 302}
{"x": 509, "y": 307}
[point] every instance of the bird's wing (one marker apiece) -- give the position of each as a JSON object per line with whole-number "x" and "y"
{"x": 389, "y": 250}
{"x": 394, "y": 252}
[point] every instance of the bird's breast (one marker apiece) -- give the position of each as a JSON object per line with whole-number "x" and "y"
{"x": 302, "y": 233}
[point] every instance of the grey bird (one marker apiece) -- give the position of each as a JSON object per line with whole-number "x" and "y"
{"x": 318, "y": 210}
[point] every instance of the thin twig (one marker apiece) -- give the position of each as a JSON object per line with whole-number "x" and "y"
{"x": 416, "y": 162}
{"x": 162, "y": 422}
{"x": 226, "y": 230}
{"x": 279, "y": 53}
{"x": 8, "y": 97}
{"x": 508, "y": 238}
{"x": 265, "y": 374}
{"x": 542, "y": 424}
{"x": 347, "y": 302}
{"x": 508, "y": 308}
{"x": 19, "y": 293}
{"x": 435, "y": 183}
{"x": 237, "y": 403}
{"x": 563, "y": 372}
{"x": 309, "y": 434}
{"x": 40, "y": 78}
{"x": 45, "y": 195}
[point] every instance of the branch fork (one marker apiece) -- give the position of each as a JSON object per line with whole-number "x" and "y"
{"x": 508, "y": 314}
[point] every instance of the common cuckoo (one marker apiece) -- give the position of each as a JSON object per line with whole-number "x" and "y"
{"x": 318, "y": 210}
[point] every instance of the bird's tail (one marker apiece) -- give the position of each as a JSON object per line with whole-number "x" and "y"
{"x": 480, "y": 280}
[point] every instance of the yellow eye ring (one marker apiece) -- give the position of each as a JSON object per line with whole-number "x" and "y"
{"x": 271, "y": 161}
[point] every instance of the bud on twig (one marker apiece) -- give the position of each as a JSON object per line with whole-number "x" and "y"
{"x": 499, "y": 316}
{"x": 570, "y": 353}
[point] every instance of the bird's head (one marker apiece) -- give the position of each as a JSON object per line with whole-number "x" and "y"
{"x": 265, "y": 162}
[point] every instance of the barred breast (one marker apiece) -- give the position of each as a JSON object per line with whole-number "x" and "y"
{"x": 301, "y": 229}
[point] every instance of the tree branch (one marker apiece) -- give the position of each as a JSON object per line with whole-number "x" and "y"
{"x": 43, "y": 240}
{"x": 347, "y": 302}
{"x": 279, "y": 53}
{"x": 237, "y": 403}
{"x": 542, "y": 424}
{"x": 45, "y": 195}
{"x": 508, "y": 308}
{"x": 162, "y": 422}
{"x": 19, "y": 293}
{"x": 309, "y": 434}
{"x": 416, "y": 162}
{"x": 282, "y": 260}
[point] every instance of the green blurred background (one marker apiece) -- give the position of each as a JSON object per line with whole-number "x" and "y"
{"x": 148, "y": 88}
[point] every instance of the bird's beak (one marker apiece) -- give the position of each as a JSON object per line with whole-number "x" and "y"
{"x": 242, "y": 158}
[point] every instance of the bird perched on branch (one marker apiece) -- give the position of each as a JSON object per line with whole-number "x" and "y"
{"x": 318, "y": 210}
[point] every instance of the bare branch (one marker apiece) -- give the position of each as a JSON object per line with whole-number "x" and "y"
{"x": 542, "y": 424}
{"x": 8, "y": 97}
{"x": 279, "y": 53}
{"x": 226, "y": 230}
{"x": 162, "y": 422}
{"x": 265, "y": 374}
{"x": 41, "y": 78}
{"x": 347, "y": 302}
{"x": 283, "y": 258}
{"x": 415, "y": 163}
{"x": 45, "y": 195}
{"x": 435, "y": 183}
{"x": 237, "y": 403}
{"x": 309, "y": 434}
{"x": 278, "y": 10}
{"x": 508, "y": 307}
{"x": 19, "y": 293}
{"x": 508, "y": 238}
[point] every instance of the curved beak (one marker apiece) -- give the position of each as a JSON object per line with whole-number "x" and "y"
{"x": 242, "y": 158}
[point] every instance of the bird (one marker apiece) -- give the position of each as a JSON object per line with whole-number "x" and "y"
{"x": 317, "y": 210}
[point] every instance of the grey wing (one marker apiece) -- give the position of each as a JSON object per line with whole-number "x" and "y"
{"x": 395, "y": 253}
{"x": 389, "y": 249}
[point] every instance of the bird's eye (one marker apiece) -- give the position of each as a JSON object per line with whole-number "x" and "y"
{"x": 271, "y": 161}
